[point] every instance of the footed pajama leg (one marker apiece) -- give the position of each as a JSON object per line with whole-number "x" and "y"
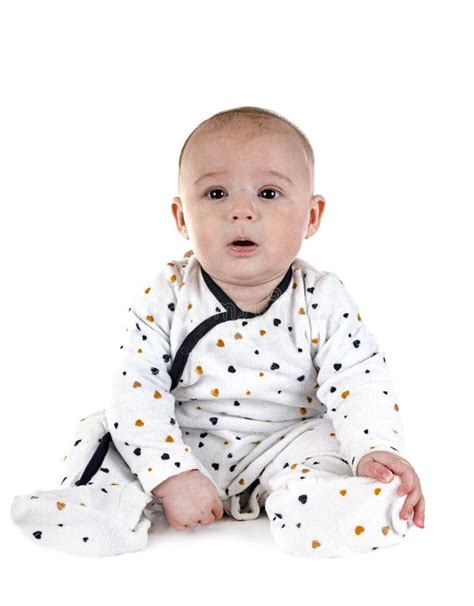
{"x": 97, "y": 510}
{"x": 318, "y": 508}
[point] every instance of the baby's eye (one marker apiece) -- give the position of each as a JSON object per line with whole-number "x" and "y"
{"x": 212, "y": 191}
{"x": 268, "y": 189}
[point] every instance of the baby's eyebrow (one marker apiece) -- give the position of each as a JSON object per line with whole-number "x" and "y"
{"x": 275, "y": 173}
{"x": 211, "y": 174}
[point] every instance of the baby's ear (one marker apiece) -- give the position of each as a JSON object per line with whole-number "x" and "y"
{"x": 176, "y": 205}
{"x": 176, "y": 209}
{"x": 318, "y": 204}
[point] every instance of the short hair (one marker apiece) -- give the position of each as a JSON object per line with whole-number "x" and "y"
{"x": 259, "y": 117}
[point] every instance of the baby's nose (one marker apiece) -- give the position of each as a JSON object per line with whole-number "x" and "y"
{"x": 243, "y": 210}
{"x": 242, "y": 215}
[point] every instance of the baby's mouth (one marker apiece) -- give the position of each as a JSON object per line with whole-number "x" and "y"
{"x": 243, "y": 243}
{"x": 243, "y": 246}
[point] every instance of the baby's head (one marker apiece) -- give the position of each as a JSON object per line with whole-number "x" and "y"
{"x": 246, "y": 173}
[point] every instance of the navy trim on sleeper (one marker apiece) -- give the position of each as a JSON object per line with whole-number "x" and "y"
{"x": 96, "y": 461}
{"x": 177, "y": 367}
{"x": 233, "y": 313}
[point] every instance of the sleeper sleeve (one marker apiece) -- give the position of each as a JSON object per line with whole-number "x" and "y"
{"x": 353, "y": 381}
{"x": 140, "y": 415}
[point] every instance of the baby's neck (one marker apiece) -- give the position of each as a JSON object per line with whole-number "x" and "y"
{"x": 253, "y": 299}
{"x": 254, "y": 307}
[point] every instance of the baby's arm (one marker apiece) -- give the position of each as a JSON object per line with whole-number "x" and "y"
{"x": 141, "y": 412}
{"x": 353, "y": 379}
{"x": 355, "y": 385}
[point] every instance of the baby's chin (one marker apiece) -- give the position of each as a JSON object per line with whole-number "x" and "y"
{"x": 246, "y": 273}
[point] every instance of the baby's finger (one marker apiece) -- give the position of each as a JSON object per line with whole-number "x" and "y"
{"x": 409, "y": 503}
{"x": 407, "y": 475}
{"x": 408, "y": 482}
{"x": 207, "y": 520}
{"x": 218, "y": 509}
{"x": 378, "y": 471}
{"x": 419, "y": 512}
{"x": 218, "y": 515}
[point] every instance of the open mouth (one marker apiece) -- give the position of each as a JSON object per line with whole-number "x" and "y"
{"x": 243, "y": 247}
{"x": 243, "y": 243}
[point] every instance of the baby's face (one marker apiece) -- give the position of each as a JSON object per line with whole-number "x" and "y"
{"x": 260, "y": 189}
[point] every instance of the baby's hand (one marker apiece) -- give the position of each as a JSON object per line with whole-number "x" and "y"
{"x": 380, "y": 465}
{"x": 189, "y": 498}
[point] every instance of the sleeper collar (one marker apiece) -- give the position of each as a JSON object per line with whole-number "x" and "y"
{"x": 232, "y": 307}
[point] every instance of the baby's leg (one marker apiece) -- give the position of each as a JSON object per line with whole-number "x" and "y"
{"x": 318, "y": 508}
{"x": 97, "y": 511}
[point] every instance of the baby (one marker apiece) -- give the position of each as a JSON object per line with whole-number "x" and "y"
{"x": 248, "y": 378}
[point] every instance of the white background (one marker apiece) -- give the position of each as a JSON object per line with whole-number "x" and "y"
{"x": 97, "y": 99}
